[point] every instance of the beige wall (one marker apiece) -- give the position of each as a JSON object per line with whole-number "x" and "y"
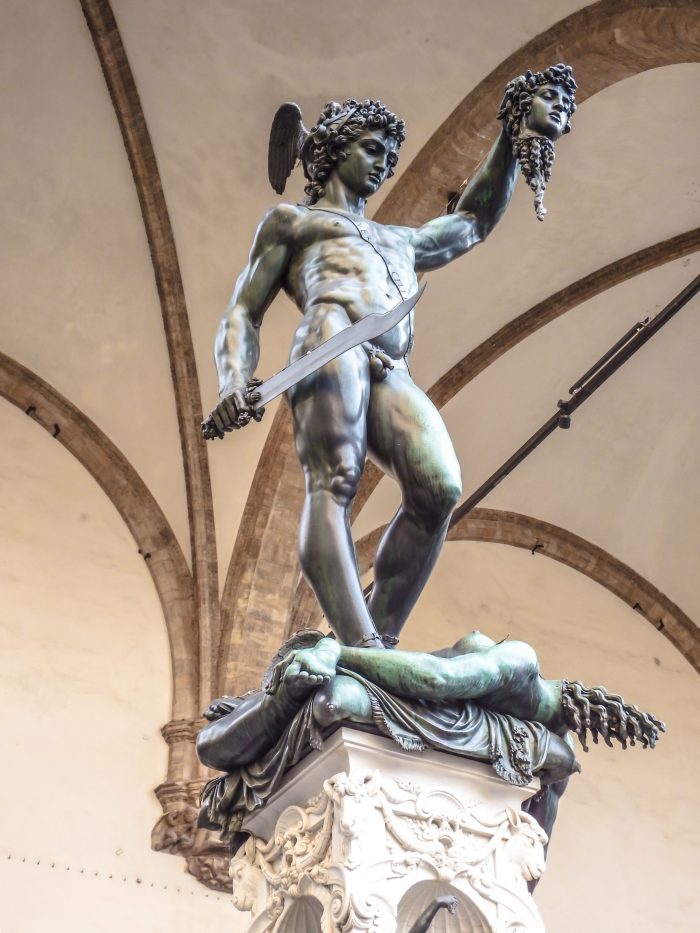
{"x": 84, "y": 689}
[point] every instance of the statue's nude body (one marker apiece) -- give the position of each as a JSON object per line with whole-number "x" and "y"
{"x": 335, "y": 268}
{"x": 336, "y": 274}
{"x": 343, "y": 414}
{"x": 338, "y": 267}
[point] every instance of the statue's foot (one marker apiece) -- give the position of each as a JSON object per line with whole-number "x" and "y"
{"x": 313, "y": 666}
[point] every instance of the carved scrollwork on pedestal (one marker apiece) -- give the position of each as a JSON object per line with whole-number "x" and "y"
{"x": 360, "y": 845}
{"x": 174, "y": 832}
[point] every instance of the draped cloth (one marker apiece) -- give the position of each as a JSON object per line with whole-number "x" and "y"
{"x": 515, "y": 748}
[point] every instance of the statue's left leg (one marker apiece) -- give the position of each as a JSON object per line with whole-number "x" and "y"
{"x": 408, "y": 439}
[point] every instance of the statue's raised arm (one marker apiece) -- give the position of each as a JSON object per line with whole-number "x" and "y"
{"x": 535, "y": 111}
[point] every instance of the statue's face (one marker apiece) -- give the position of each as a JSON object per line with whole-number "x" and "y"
{"x": 364, "y": 163}
{"x": 549, "y": 113}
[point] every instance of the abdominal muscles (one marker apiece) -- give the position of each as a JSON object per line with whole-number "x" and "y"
{"x": 347, "y": 274}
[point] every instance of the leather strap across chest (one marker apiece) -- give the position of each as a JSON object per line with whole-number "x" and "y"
{"x": 365, "y": 231}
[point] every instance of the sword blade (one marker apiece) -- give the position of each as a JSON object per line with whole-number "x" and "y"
{"x": 369, "y": 328}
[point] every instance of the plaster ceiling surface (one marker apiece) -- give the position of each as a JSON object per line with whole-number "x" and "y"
{"x": 82, "y": 640}
{"x": 84, "y": 689}
{"x": 80, "y": 307}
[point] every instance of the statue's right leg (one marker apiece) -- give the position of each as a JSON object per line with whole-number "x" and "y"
{"x": 329, "y": 410}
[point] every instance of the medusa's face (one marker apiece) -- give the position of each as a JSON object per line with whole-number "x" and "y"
{"x": 549, "y": 112}
{"x": 365, "y": 162}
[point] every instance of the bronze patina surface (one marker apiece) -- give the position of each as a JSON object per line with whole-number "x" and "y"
{"x": 338, "y": 267}
{"x": 479, "y": 699}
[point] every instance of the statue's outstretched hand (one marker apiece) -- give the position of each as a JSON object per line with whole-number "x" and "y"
{"x": 234, "y": 411}
{"x": 305, "y": 669}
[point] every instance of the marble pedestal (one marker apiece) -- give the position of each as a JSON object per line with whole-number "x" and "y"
{"x": 363, "y": 836}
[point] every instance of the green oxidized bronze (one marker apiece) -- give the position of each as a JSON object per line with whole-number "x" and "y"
{"x": 340, "y": 268}
{"x": 480, "y": 699}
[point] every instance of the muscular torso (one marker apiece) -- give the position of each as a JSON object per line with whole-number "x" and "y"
{"x": 333, "y": 266}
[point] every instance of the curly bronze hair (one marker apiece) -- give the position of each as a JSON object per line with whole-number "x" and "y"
{"x": 517, "y": 97}
{"x": 535, "y": 154}
{"x": 338, "y": 125}
{"x": 594, "y": 710}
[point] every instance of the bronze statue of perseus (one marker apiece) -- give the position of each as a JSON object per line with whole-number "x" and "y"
{"x": 340, "y": 268}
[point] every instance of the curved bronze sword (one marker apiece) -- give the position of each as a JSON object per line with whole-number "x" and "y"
{"x": 368, "y": 329}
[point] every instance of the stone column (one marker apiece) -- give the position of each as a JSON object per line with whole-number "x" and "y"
{"x": 364, "y": 836}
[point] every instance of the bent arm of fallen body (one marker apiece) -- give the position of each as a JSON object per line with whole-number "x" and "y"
{"x": 480, "y": 205}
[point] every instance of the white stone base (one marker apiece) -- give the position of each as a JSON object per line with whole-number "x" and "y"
{"x": 363, "y": 836}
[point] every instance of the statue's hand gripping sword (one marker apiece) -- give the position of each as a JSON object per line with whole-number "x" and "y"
{"x": 367, "y": 329}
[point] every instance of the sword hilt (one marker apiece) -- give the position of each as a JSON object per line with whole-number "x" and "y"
{"x": 209, "y": 429}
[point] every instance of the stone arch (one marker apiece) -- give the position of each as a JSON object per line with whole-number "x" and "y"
{"x": 143, "y": 516}
{"x": 166, "y": 269}
{"x": 606, "y": 42}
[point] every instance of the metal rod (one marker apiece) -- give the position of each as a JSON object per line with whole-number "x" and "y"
{"x": 609, "y": 355}
{"x": 628, "y": 345}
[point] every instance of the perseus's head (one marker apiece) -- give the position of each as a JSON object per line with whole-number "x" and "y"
{"x": 358, "y": 140}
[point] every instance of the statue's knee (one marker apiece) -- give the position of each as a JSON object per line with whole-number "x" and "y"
{"x": 448, "y": 496}
{"x": 340, "y": 480}
{"x": 435, "y": 503}
{"x": 523, "y": 659}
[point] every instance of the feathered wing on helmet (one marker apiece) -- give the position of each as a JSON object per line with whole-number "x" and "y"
{"x": 287, "y": 138}
{"x": 318, "y": 148}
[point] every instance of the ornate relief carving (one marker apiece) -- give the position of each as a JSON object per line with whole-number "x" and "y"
{"x": 181, "y": 730}
{"x": 174, "y": 832}
{"x": 213, "y": 871}
{"x": 365, "y": 840}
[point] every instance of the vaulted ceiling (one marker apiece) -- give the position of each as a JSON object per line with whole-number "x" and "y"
{"x": 134, "y": 145}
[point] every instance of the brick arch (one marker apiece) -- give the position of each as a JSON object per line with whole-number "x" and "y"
{"x": 143, "y": 516}
{"x": 500, "y": 527}
{"x": 606, "y": 42}
{"x": 171, "y": 294}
